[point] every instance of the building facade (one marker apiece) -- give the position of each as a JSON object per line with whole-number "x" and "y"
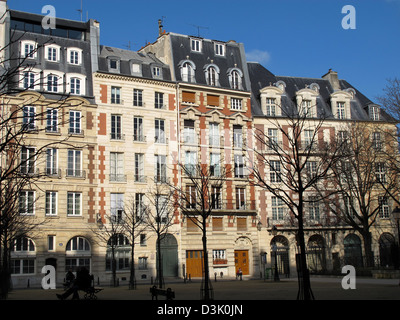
{"x": 121, "y": 123}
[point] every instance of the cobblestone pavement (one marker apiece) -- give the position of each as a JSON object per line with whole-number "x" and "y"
{"x": 323, "y": 288}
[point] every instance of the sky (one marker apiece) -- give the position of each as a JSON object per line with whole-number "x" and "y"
{"x": 300, "y": 38}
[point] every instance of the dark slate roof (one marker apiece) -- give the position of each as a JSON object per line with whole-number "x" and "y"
{"x": 234, "y": 58}
{"x": 260, "y": 77}
{"x": 127, "y": 57}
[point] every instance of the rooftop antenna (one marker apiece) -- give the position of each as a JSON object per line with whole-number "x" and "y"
{"x": 198, "y": 29}
{"x": 81, "y": 9}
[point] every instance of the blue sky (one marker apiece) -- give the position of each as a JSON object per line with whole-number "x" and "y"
{"x": 301, "y": 38}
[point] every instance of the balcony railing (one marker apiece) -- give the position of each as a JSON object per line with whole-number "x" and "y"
{"x": 114, "y": 177}
{"x": 72, "y": 173}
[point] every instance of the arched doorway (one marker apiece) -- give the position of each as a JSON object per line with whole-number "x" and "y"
{"x": 388, "y": 250}
{"x": 282, "y": 255}
{"x": 316, "y": 254}
{"x": 169, "y": 255}
{"x": 78, "y": 254}
{"x": 352, "y": 251}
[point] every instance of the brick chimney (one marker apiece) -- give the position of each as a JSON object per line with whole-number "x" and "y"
{"x": 333, "y": 79}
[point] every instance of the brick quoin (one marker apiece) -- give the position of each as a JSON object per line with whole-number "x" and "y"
{"x": 102, "y": 124}
{"x": 103, "y": 93}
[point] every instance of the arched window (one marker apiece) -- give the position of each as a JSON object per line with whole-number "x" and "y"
{"x": 188, "y": 70}
{"x": 120, "y": 246}
{"x": 78, "y": 254}
{"x": 212, "y": 75}
{"x": 23, "y": 256}
{"x": 353, "y": 251}
{"x": 235, "y": 78}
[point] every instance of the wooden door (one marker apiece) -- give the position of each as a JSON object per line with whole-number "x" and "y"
{"x": 194, "y": 263}
{"x": 242, "y": 261}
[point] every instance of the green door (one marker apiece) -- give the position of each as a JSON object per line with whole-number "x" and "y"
{"x": 169, "y": 255}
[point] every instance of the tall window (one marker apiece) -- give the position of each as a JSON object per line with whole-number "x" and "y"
{"x": 74, "y": 204}
{"x": 270, "y": 107}
{"x": 272, "y": 139}
{"x": 51, "y": 203}
{"x": 74, "y": 163}
{"x": 116, "y": 127}
{"x": 52, "y": 54}
{"x": 311, "y": 169}
{"x": 190, "y": 197}
{"x": 28, "y": 160}
{"x": 75, "y": 122}
{"x": 277, "y": 208}
{"x": 239, "y": 166}
{"x": 138, "y": 134}
{"x": 75, "y": 86}
{"x": 159, "y": 100}
{"x": 29, "y": 117}
{"x": 374, "y": 112}
{"x": 115, "y": 95}
{"x": 187, "y": 72}
{"x": 52, "y": 120}
{"x": 159, "y": 131}
{"x": 341, "y": 110}
{"x": 117, "y": 207}
{"x": 52, "y": 83}
{"x": 275, "y": 171}
{"x": 240, "y": 198}
{"x": 52, "y": 161}
{"x": 138, "y": 98}
{"x": 214, "y": 136}
{"x": 236, "y": 80}
{"x": 139, "y": 205}
{"x": 377, "y": 141}
{"x": 237, "y": 137}
{"x": 380, "y": 172}
{"x": 313, "y": 209}
{"x": 190, "y": 163}
{"x": 160, "y": 162}
{"x": 384, "y": 207}
{"x": 215, "y": 164}
{"x": 117, "y": 167}
{"x": 189, "y": 133}
{"x": 308, "y": 139}
{"x": 305, "y": 109}
{"x": 195, "y": 45}
{"x": 216, "y": 198}
{"x": 29, "y": 80}
{"x": 139, "y": 167}
{"x": 27, "y": 202}
{"x": 212, "y": 76}
{"x": 74, "y": 57}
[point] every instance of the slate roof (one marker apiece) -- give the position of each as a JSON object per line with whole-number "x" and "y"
{"x": 261, "y": 77}
{"x": 127, "y": 58}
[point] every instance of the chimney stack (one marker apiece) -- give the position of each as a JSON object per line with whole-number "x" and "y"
{"x": 160, "y": 26}
{"x": 332, "y": 77}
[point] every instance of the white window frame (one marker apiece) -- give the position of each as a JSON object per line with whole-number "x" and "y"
{"x": 28, "y": 164}
{"x": 117, "y": 207}
{"x": 196, "y": 45}
{"x": 52, "y": 161}
{"x": 160, "y": 167}
{"x": 75, "y": 125}
{"x": 278, "y": 209}
{"x": 159, "y": 129}
{"x": 117, "y": 172}
{"x": 28, "y": 195}
{"x": 60, "y": 81}
{"x": 139, "y": 167}
{"x": 219, "y": 49}
{"x": 214, "y": 137}
{"x": 275, "y": 171}
{"x": 51, "y": 204}
{"x": 54, "y": 56}
{"x": 236, "y": 104}
{"x": 71, "y": 89}
{"x": 74, "y": 163}
{"x": 51, "y": 120}
{"x": 76, "y": 198}
{"x": 77, "y": 59}
{"x": 32, "y": 47}
{"x": 341, "y": 110}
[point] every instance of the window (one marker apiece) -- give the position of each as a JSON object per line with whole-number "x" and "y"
{"x": 75, "y": 86}
{"x": 27, "y": 203}
{"x": 139, "y": 167}
{"x": 159, "y": 100}
{"x": 190, "y": 163}
{"x": 272, "y": 141}
{"x": 239, "y": 166}
{"x": 52, "y": 120}
{"x": 160, "y": 162}
{"x": 212, "y": 76}
{"x": 212, "y": 100}
{"x": 188, "y": 72}
{"x": 116, "y": 130}
{"x": 219, "y": 256}
{"x": 52, "y": 162}
{"x": 217, "y": 224}
{"x": 117, "y": 167}
{"x": 374, "y": 112}
{"x": 240, "y": 198}
{"x": 74, "y": 204}
{"x": 28, "y": 80}
{"x": 189, "y": 133}
{"x": 341, "y": 110}
{"x": 138, "y": 98}
{"x": 52, "y": 53}
{"x": 277, "y": 208}
{"x": 159, "y": 131}
{"x": 190, "y": 197}
{"x": 195, "y": 45}
{"x": 28, "y": 156}
{"x": 380, "y": 172}
{"x": 235, "y": 79}
{"x": 115, "y": 95}
{"x": 139, "y": 205}
{"x": 275, "y": 171}
{"x": 270, "y": 107}
{"x": 376, "y": 141}
{"x": 157, "y": 72}
{"x": 219, "y": 49}
{"x": 78, "y": 244}
{"x": 236, "y": 104}
{"x": 29, "y": 117}
{"x": 52, "y": 83}
{"x": 305, "y": 109}
{"x": 51, "y": 243}
{"x": 241, "y": 224}
{"x": 117, "y": 207}
{"x": 216, "y": 198}
{"x": 342, "y": 137}
{"x": 138, "y": 129}
{"x": 75, "y": 122}
{"x": 313, "y": 209}
{"x": 308, "y": 139}
{"x": 384, "y": 211}
{"x": 51, "y": 203}
{"x": 26, "y": 265}
{"x": 74, "y": 163}
{"x": 311, "y": 169}
{"x": 113, "y": 64}
{"x": 214, "y": 137}
{"x": 237, "y": 137}
{"x": 215, "y": 165}
{"x": 74, "y": 56}
{"x": 161, "y": 209}
{"x": 142, "y": 263}
{"x": 28, "y": 49}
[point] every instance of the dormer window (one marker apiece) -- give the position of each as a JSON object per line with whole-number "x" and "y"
{"x": 195, "y": 45}
{"x": 306, "y": 110}
{"x": 374, "y": 112}
{"x": 113, "y": 64}
{"x": 188, "y": 71}
{"x": 28, "y": 49}
{"x": 74, "y": 56}
{"x": 270, "y": 107}
{"x": 53, "y": 81}
{"x": 219, "y": 49}
{"x": 235, "y": 79}
{"x": 212, "y": 75}
{"x": 157, "y": 72}
{"x": 52, "y": 53}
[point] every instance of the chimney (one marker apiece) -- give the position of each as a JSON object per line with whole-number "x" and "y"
{"x": 160, "y": 26}
{"x": 333, "y": 79}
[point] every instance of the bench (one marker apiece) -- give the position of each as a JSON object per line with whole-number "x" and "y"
{"x": 155, "y": 292}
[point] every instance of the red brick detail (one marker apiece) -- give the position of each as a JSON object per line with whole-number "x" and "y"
{"x": 91, "y": 203}
{"x": 102, "y": 205}
{"x": 102, "y": 124}
{"x": 102, "y": 165}
{"x": 171, "y": 102}
{"x": 91, "y": 174}
{"x": 248, "y": 112}
{"x": 202, "y": 108}
{"x": 172, "y": 131}
{"x": 103, "y": 93}
{"x": 89, "y": 120}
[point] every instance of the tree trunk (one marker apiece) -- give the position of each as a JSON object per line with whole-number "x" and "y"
{"x": 159, "y": 271}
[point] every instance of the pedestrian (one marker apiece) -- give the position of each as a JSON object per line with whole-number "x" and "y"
{"x": 69, "y": 279}
{"x": 82, "y": 281}
{"x": 239, "y": 274}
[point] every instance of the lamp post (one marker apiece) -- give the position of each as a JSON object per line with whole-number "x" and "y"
{"x": 275, "y": 249}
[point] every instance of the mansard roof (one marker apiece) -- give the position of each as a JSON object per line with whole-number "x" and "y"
{"x": 261, "y": 77}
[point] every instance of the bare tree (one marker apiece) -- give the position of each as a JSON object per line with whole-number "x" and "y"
{"x": 390, "y": 100}
{"x": 200, "y": 196}
{"x": 292, "y": 168}
{"x": 159, "y": 217}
